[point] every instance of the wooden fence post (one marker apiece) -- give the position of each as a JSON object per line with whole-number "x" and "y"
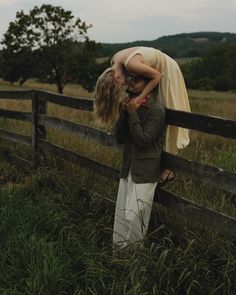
{"x": 38, "y": 131}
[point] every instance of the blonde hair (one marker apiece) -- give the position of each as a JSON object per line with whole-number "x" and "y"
{"x": 107, "y": 98}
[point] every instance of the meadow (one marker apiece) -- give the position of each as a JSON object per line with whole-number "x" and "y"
{"x": 55, "y": 237}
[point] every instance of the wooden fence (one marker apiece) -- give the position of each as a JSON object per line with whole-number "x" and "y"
{"x": 217, "y": 177}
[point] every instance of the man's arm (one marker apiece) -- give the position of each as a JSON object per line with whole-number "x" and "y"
{"x": 145, "y": 133}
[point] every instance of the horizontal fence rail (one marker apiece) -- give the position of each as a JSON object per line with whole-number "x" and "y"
{"x": 16, "y": 137}
{"x": 80, "y": 160}
{"x": 67, "y": 101}
{"x": 222, "y": 223}
{"x": 213, "y": 176}
{"x": 207, "y": 174}
{"x": 203, "y": 123}
{"x": 83, "y": 130}
{"x": 16, "y": 115}
{"x": 16, "y": 94}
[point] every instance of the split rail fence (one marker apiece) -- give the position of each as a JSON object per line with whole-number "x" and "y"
{"x": 216, "y": 177}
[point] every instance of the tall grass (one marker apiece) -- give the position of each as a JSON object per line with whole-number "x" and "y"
{"x": 56, "y": 239}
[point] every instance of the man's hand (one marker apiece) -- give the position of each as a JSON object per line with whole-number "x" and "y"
{"x": 133, "y": 105}
{"x": 124, "y": 101}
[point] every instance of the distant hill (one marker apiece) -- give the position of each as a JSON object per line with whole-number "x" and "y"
{"x": 180, "y": 45}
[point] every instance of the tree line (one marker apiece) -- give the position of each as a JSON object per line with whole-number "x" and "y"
{"x": 216, "y": 70}
{"x": 52, "y": 45}
{"x": 177, "y": 46}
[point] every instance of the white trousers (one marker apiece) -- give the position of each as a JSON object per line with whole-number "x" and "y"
{"x": 133, "y": 210}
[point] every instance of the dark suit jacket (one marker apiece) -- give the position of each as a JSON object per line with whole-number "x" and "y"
{"x": 142, "y": 133}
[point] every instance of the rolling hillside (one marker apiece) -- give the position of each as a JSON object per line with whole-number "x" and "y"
{"x": 180, "y": 45}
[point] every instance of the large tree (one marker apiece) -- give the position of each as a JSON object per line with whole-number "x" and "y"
{"x": 49, "y": 43}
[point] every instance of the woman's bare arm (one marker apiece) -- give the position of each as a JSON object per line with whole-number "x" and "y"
{"x": 136, "y": 66}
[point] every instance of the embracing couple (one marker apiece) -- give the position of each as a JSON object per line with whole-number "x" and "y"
{"x": 154, "y": 81}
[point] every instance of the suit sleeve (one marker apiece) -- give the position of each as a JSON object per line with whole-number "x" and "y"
{"x": 145, "y": 133}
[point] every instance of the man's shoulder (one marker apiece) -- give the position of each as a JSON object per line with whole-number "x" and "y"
{"x": 156, "y": 106}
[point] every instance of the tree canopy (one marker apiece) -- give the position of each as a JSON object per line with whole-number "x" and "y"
{"x": 49, "y": 43}
{"x": 215, "y": 70}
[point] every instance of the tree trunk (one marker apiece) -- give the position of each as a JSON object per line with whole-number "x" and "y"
{"x": 60, "y": 88}
{"x": 59, "y": 80}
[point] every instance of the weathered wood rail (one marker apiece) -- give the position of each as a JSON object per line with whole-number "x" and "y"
{"x": 216, "y": 177}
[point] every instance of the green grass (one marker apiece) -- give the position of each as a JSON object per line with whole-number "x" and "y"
{"x": 56, "y": 239}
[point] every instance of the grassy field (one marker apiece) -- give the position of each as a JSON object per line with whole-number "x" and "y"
{"x": 56, "y": 239}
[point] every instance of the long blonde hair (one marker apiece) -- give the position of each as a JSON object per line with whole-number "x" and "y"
{"x": 107, "y": 98}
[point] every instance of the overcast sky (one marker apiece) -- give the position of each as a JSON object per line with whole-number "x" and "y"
{"x": 116, "y": 21}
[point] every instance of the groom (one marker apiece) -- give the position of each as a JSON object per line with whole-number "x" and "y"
{"x": 141, "y": 131}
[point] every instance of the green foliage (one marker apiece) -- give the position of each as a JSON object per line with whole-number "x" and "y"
{"x": 215, "y": 70}
{"x": 87, "y": 70}
{"x": 44, "y": 44}
{"x": 17, "y": 66}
